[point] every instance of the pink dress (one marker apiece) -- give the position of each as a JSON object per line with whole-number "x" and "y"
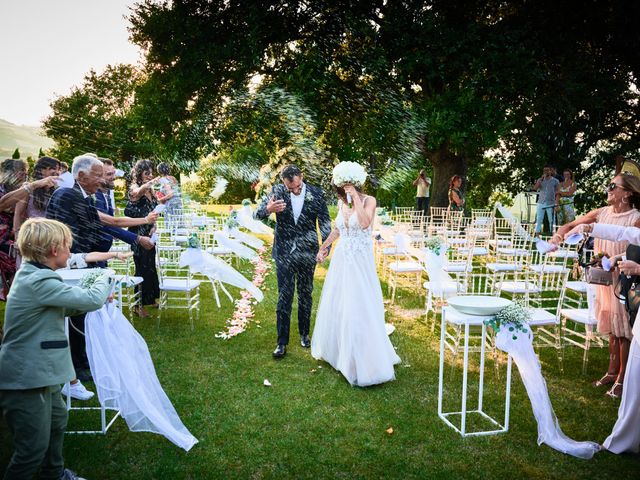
{"x": 611, "y": 314}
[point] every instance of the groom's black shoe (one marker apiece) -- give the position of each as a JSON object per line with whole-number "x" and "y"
{"x": 280, "y": 352}
{"x": 305, "y": 341}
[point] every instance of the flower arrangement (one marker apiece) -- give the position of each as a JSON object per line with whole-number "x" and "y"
{"x": 244, "y": 312}
{"x": 349, "y": 172}
{"x": 308, "y": 197}
{"x": 193, "y": 241}
{"x": 232, "y": 220}
{"x": 515, "y": 317}
{"x": 434, "y": 244}
{"x": 90, "y": 278}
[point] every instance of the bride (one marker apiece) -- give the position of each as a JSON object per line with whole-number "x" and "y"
{"x": 350, "y": 328}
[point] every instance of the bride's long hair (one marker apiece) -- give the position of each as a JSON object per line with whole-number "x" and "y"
{"x": 342, "y": 194}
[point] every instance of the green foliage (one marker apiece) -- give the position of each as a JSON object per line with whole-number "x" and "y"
{"x": 393, "y": 85}
{"x": 16, "y": 154}
{"x": 99, "y": 117}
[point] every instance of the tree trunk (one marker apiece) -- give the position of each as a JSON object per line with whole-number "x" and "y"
{"x": 445, "y": 165}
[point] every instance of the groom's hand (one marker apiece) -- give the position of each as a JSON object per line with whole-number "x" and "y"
{"x": 275, "y": 206}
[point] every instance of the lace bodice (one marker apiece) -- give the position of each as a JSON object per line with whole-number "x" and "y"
{"x": 353, "y": 237}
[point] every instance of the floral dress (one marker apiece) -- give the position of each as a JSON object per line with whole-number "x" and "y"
{"x": 452, "y": 205}
{"x": 566, "y": 212}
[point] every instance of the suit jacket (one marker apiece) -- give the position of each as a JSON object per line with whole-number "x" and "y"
{"x": 304, "y": 233}
{"x": 618, "y": 233}
{"x": 35, "y": 352}
{"x": 69, "y": 206}
{"x": 107, "y": 233}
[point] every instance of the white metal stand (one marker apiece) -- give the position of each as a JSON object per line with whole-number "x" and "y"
{"x": 103, "y": 411}
{"x": 471, "y": 320}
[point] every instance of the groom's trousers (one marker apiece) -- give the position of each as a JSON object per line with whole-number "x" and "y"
{"x": 291, "y": 271}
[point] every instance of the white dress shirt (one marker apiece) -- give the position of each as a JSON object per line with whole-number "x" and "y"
{"x": 297, "y": 202}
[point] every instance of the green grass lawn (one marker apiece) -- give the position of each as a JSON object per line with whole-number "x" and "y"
{"x": 312, "y": 424}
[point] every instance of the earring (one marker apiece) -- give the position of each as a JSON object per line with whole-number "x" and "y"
{"x": 625, "y": 199}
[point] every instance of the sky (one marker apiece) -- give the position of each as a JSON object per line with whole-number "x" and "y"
{"x": 49, "y": 45}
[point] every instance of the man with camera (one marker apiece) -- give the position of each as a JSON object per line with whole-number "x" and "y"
{"x": 547, "y": 187}
{"x": 423, "y": 183}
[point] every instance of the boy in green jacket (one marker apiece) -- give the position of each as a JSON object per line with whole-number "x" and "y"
{"x": 34, "y": 357}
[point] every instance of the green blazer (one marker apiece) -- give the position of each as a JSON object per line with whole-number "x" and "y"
{"x": 35, "y": 351}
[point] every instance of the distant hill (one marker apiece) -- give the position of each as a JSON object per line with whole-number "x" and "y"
{"x": 28, "y": 139}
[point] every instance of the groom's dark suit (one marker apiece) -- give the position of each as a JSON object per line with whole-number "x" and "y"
{"x": 295, "y": 247}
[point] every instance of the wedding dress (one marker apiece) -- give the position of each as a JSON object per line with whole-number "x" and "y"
{"x": 350, "y": 330}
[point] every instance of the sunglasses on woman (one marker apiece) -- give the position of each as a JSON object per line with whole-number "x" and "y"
{"x": 612, "y": 186}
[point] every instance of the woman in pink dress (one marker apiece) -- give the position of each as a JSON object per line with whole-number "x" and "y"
{"x": 623, "y": 198}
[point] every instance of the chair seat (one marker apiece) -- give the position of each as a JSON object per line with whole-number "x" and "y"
{"x": 514, "y": 251}
{"x": 456, "y": 241}
{"x": 405, "y": 267}
{"x": 128, "y": 281}
{"x": 541, "y": 317}
{"x": 455, "y": 317}
{"x": 539, "y": 267}
{"x": 577, "y": 286}
{"x": 219, "y": 251}
{"x": 501, "y": 243}
{"x": 179, "y": 284}
{"x": 446, "y": 287}
{"x": 455, "y": 267}
{"x": 518, "y": 287}
{"x": 476, "y": 251}
{"x": 504, "y": 267}
{"x": 563, "y": 254}
{"x": 579, "y": 315}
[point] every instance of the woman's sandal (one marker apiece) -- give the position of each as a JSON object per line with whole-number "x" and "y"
{"x": 607, "y": 379}
{"x": 615, "y": 391}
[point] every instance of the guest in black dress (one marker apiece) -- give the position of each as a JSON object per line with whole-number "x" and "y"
{"x": 141, "y": 202}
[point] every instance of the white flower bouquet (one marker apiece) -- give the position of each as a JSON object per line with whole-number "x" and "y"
{"x": 515, "y": 317}
{"x": 349, "y": 173}
{"x": 434, "y": 244}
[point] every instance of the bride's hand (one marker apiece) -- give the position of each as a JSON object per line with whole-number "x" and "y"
{"x": 350, "y": 190}
{"x": 322, "y": 254}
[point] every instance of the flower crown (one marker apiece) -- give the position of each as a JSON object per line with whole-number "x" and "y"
{"x": 349, "y": 172}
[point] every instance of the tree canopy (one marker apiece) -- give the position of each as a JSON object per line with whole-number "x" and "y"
{"x": 484, "y": 89}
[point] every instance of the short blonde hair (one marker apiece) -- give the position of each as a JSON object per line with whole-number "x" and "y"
{"x": 38, "y": 235}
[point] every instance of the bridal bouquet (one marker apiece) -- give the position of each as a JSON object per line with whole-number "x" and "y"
{"x": 515, "y": 317}
{"x": 349, "y": 172}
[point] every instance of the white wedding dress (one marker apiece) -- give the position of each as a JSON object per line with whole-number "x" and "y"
{"x": 350, "y": 329}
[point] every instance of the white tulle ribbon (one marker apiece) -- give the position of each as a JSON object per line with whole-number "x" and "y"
{"x": 125, "y": 377}
{"x": 521, "y": 350}
{"x": 245, "y": 238}
{"x": 246, "y": 220}
{"x": 218, "y": 271}
{"x": 222, "y": 238}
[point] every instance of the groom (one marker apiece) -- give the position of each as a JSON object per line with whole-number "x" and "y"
{"x": 298, "y": 207}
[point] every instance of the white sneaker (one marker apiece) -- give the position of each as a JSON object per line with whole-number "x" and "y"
{"x": 78, "y": 391}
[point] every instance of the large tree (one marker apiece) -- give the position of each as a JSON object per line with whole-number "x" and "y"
{"x": 536, "y": 82}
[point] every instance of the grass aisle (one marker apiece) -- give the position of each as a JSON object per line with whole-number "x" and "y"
{"x": 312, "y": 424}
